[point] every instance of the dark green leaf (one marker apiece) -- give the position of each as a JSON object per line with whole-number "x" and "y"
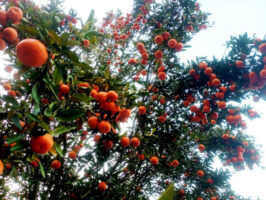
{"x": 62, "y": 129}
{"x": 69, "y": 115}
{"x": 42, "y": 169}
{"x": 18, "y": 146}
{"x": 15, "y": 138}
{"x": 58, "y": 149}
{"x": 15, "y": 120}
{"x": 11, "y": 100}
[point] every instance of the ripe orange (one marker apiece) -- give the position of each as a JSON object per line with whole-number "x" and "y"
{"x": 94, "y": 93}
{"x": 102, "y": 186}
{"x": 166, "y": 35}
{"x": 64, "y": 89}
{"x": 93, "y": 122}
{"x": 15, "y": 14}
{"x": 262, "y": 48}
{"x": 72, "y": 154}
{"x": 160, "y": 69}
{"x": 2, "y": 44}
{"x": 175, "y": 163}
{"x": 142, "y": 110}
{"x": 201, "y": 147}
{"x": 140, "y": 46}
{"x": 3, "y": 17}
{"x": 263, "y": 73}
{"x": 208, "y": 71}
{"x": 172, "y": 43}
{"x": 162, "y": 76}
{"x": 200, "y": 173}
{"x": 112, "y": 95}
{"x": 179, "y": 46}
{"x": 31, "y": 53}
{"x": 42, "y": 144}
{"x": 216, "y": 82}
{"x": 203, "y": 65}
{"x": 104, "y": 127}
{"x": 162, "y": 119}
{"x": 1, "y": 167}
{"x": 108, "y": 144}
{"x": 96, "y": 139}
{"x": 101, "y": 97}
{"x": 154, "y": 160}
{"x": 56, "y": 164}
{"x": 158, "y": 54}
{"x": 83, "y": 85}
{"x": 125, "y": 142}
{"x": 221, "y": 105}
{"x": 10, "y": 34}
{"x": 132, "y": 61}
{"x": 135, "y": 142}
{"x": 239, "y": 64}
{"x": 158, "y": 39}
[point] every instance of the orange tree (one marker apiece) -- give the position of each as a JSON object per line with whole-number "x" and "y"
{"x": 110, "y": 112}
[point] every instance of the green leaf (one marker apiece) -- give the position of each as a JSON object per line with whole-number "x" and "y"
{"x": 45, "y": 126}
{"x": 58, "y": 149}
{"x": 52, "y": 87}
{"x": 35, "y": 94}
{"x": 62, "y": 129}
{"x": 92, "y": 33}
{"x": 18, "y": 146}
{"x": 42, "y": 169}
{"x": 54, "y": 37}
{"x": 27, "y": 29}
{"x": 72, "y": 56}
{"x": 49, "y": 111}
{"x": 15, "y": 138}
{"x": 69, "y": 115}
{"x": 168, "y": 194}
{"x": 13, "y": 172}
{"x": 62, "y": 71}
{"x": 31, "y": 116}
{"x": 56, "y": 76}
{"x": 15, "y": 120}
{"x": 11, "y": 100}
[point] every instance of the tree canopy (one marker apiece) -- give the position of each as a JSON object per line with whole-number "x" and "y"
{"x": 108, "y": 111}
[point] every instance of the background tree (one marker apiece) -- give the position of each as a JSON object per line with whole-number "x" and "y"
{"x": 62, "y": 132}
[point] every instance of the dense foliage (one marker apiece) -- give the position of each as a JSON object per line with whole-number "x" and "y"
{"x": 110, "y": 112}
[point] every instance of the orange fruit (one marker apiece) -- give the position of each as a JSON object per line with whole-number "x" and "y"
{"x": 162, "y": 76}
{"x": 125, "y": 142}
{"x": 31, "y": 53}
{"x": 101, "y": 97}
{"x": 239, "y": 64}
{"x": 203, "y": 65}
{"x": 262, "y": 48}
{"x": 179, "y": 46}
{"x": 10, "y": 34}
{"x": 83, "y": 85}
{"x": 142, "y": 110}
{"x": 97, "y": 138}
{"x": 166, "y": 35}
{"x": 216, "y": 82}
{"x": 201, "y": 147}
{"x": 2, "y": 44}
{"x": 132, "y": 61}
{"x": 158, "y": 54}
{"x": 104, "y": 127}
{"x": 15, "y": 14}
{"x": 200, "y": 173}
{"x": 93, "y": 122}
{"x": 108, "y": 144}
{"x": 3, "y": 17}
{"x": 42, "y": 144}
{"x": 162, "y": 119}
{"x": 140, "y": 46}
{"x": 56, "y": 164}
{"x": 94, "y": 93}
{"x": 174, "y": 163}
{"x": 263, "y": 73}
{"x": 1, "y": 167}
{"x": 208, "y": 71}
{"x": 221, "y": 105}
{"x": 158, "y": 39}
{"x": 154, "y": 160}
{"x": 64, "y": 89}
{"x": 160, "y": 69}
{"x": 102, "y": 186}
{"x": 135, "y": 142}
{"x": 112, "y": 95}
{"x": 172, "y": 43}
{"x": 72, "y": 154}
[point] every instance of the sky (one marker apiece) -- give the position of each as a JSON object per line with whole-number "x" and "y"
{"x": 230, "y": 17}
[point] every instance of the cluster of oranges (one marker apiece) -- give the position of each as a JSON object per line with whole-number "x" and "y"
{"x": 9, "y": 34}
